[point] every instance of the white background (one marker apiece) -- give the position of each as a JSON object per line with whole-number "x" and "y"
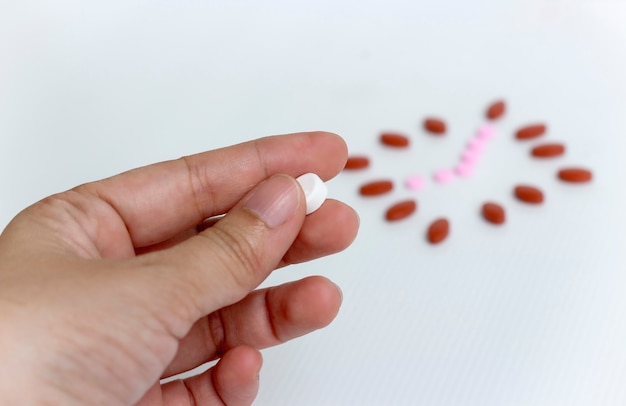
{"x": 531, "y": 313}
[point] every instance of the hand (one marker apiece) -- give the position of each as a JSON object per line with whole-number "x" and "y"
{"x": 109, "y": 287}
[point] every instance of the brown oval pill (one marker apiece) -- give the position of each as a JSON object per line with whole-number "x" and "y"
{"x": 401, "y": 210}
{"x": 496, "y": 110}
{"x": 435, "y": 125}
{"x": 357, "y": 162}
{"x": 529, "y": 194}
{"x": 530, "y": 131}
{"x": 378, "y": 187}
{"x": 394, "y": 140}
{"x": 575, "y": 175}
{"x": 494, "y": 213}
{"x": 548, "y": 150}
{"x": 438, "y": 231}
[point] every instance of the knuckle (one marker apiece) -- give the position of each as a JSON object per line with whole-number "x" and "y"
{"x": 201, "y": 190}
{"x": 71, "y": 216}
{"x": 238, "y": 256}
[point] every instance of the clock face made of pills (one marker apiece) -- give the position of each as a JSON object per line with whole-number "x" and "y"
{"x": 492, "y": 211}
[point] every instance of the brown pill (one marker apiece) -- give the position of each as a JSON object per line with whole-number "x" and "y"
{"x": 401, "y": 210}
{"x": 575, "y": 175}
{"x": 438, "y": 231}
{"x": 357, "y": 162}
{"x": 394, "y": 140}
{"x": 529, "y": 194}
{"x": 494, "y": 213}
{"x": 435, "y": 125}
{"x": 530, "y": 131}
{"x": 548, "y": 150}
{"x": 378, "y": 187}
{"x": 496, "y": 110}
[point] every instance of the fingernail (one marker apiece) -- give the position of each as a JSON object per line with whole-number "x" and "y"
{"x": 340, "y": 292}
{"x": 275, "y": 200}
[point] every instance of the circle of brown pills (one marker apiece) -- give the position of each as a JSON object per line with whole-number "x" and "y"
{"x": 492, "y": 212}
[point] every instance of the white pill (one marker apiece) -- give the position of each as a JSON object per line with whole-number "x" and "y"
{"x": 314, "y": 189}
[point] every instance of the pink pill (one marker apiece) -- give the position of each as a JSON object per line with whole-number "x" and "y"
{"x": 464, "y": 170}
{"x": 443, "y": 175}
{"x": 476, "y": 144}
{"x": 486, "y": 132}
{"x": 415, "y": 182}
{"x": 470, "y": 157}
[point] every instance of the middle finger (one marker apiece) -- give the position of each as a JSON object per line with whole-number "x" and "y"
{"x": 262, "y": 319}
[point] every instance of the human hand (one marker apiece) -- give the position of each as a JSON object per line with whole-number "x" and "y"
{"x": 109, "y": 287}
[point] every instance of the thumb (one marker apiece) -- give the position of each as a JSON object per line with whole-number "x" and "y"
{"x": 223, "y": 263}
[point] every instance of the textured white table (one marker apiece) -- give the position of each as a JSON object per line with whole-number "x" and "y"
{"x": 530, "y": 313}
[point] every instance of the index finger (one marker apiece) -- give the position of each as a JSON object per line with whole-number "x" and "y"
{"x": 159, "y": 201}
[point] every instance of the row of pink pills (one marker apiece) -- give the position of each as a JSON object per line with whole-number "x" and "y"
{"x": 469, "y": 158}
{"x": 474, "y": 150}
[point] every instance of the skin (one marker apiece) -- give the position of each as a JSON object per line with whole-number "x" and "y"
{"x": 109, "y": 287}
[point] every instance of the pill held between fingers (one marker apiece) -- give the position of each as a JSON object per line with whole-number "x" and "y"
{"x": 314, "y": 189}
{"x": 395, "y": 140}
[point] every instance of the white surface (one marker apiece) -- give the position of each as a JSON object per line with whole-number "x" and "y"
{"x": 530, "y": 313}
